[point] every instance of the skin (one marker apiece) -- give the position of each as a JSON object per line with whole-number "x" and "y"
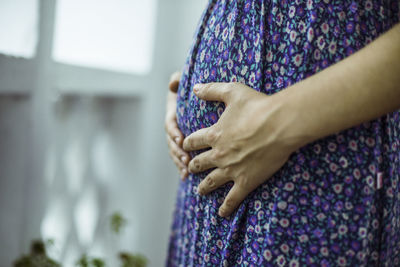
{"x": 360, "y": 88}
{"x": 173, "y": 134}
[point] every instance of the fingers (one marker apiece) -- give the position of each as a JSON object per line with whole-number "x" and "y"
{"x": 202, "y": 138}
{"x": 175, "y": 138}
{"x": 235, "y": 196}
{"x": 174, "y": 81}
{"x": 181, "y": 167}
{"x": 177, "y": 151}
{"x": 214, "y": 179}
{"x": 202, "y": 162}
{"x": 213, "y": 91}
{"x": 171, "y": 127}
{"x": 180, "y": 157}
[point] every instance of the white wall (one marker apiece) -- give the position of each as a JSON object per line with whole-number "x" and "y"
{"x": 98, "y": 152}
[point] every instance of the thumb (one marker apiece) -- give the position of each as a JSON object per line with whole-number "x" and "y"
{"x": 213, "y": 91}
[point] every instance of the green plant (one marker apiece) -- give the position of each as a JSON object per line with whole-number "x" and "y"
{"x": 117, "y": 222}
{"x": 37, "y": 257}
{"x": 132, "y": 260}
{"x": 97, "y": 262}
{"x": 85, "y": 261}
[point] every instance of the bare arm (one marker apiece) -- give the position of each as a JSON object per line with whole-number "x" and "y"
{"x": 360, "y": 88}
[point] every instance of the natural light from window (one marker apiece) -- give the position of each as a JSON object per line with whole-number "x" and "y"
{"x": 116, "y": 35}
{"x": 18, "y": 33}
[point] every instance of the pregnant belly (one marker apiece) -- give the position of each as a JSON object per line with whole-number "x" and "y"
{"x": 194, "y": 114}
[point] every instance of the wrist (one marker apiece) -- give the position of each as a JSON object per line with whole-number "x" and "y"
{"x": 292, "y": 125}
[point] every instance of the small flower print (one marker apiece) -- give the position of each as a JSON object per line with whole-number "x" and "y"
{"x": 325, "y": 27}
{"x": 267, "y": 255}
{"x": 298, "y": 59}
{"x": 321, "y": 42}
{"x": 281, "y": 261}
{"x": 309, "y": 211}
{"x": 332, "y": 47}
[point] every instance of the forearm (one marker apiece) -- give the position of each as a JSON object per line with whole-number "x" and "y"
{"x": 360, "y": 88}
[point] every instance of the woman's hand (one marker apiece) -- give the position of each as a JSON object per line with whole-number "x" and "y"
{"x": 257, "y": 133}
{"x": 249, "y": 142}
{"x": 174, "y": 135}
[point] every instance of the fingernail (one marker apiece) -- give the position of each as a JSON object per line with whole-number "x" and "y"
{"x": 177, "y": 139}
{"x": 199, "y": 191}
{"x": 183, "y": 158}
{"x": 196, "y": 166}
{"x": 222, "y": 212}
{"x": 197, "y": 88}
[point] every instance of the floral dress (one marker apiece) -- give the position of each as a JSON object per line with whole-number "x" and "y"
{"x": 336, "y": 201}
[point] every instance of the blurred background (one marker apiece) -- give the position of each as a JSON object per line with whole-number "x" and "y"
{"x": 82, "y": 99}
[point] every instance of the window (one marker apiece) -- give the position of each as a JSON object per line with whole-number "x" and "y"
{"x": 116, "y": 35}
{"x": 19, "y": 36}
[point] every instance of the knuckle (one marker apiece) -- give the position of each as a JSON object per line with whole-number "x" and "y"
{"x": 210, "y": 182}
{"x": 236, "y": 147}
{"x": 227, "y": 171}
{"x": 184, "y": 157}
{"x": 221, "y": 153}
{"x": 218, "y": 156}
{"x": 175, "y": 152}
{"x": 226, "y": 89}
{"x": 230, "y": 203}
{"x": 244, "y": 182}
{"x": 212, "y": 135}
{"x": 214, "y": 156}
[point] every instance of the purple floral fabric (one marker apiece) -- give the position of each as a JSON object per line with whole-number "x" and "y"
{"x": 336, "y": 201}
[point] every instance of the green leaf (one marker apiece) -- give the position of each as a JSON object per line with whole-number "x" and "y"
{"x": 132, "y": 260}
{"x": 37, "y": 257}
{"x": 117, "y": 222}
{"x": 97, "y": 262}
{"x": 83, "y": 261}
